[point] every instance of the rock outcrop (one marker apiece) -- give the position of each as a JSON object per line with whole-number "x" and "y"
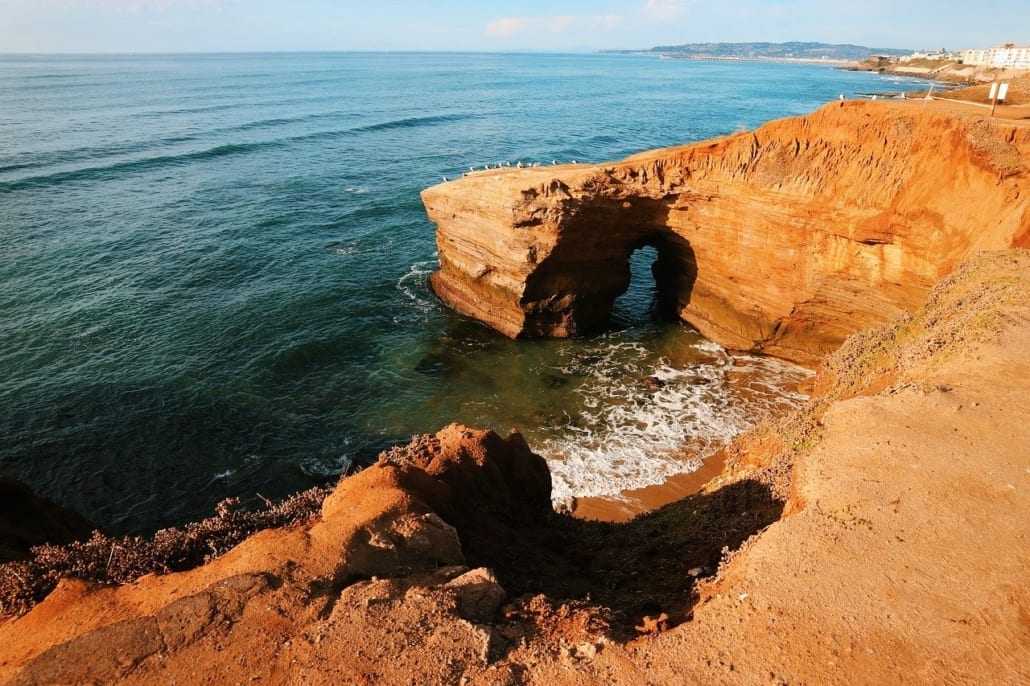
{"x": 903, "y": 559}
{"x": 395, "y": 519}
{"x": 782, "y": 240}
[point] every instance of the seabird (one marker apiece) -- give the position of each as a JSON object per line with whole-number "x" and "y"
{"x": 519, "y": 165}
{"x": 575, "y": 162}
{"x": 554, "y": 161}
{"x": 445, "y": 178}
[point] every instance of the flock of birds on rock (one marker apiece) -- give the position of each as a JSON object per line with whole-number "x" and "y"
{"x": 506, "y": 165}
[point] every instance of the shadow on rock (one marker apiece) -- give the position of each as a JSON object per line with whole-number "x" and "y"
{"x": 639, "y": 575}
{"x": 643, "y": 572}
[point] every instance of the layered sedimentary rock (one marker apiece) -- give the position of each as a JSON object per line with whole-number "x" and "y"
{"x": 782, "y": 240}
{"x": 275, "y": 597}
{"x": 903, "y": 558}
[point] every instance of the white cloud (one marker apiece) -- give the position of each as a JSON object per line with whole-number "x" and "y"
{"x": 507, "y": 26}
{"x": 665, "y": 10}
{"x": 563, "y": 23}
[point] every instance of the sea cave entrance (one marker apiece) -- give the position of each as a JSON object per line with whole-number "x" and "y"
{"x": 650, "y": 295}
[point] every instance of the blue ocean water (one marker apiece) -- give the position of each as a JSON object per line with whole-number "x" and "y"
{"x": 213, "y": 273}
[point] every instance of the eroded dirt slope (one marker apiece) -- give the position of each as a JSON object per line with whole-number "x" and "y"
{"x": 893, "y": 549}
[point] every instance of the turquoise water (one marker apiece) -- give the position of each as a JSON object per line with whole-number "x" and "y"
{"x": 213, "y": 277}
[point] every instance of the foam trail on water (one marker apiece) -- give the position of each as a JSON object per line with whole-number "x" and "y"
{"x": 415, "y": 287}
{"x": 635, "y": 434}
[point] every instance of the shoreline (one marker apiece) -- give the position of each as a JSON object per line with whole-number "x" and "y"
{"x": 881, "y": 500}
{"x": 638, "y": 501}
{"x": 849, "y": 540}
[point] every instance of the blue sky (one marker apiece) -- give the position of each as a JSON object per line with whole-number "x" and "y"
{"x": 550, "y": 25}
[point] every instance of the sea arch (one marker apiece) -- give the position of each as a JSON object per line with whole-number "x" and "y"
{"x": 783, "y": 240}
{"x": 573, "y": 290}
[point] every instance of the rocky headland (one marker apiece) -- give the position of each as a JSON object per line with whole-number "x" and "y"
{"x": 783, "y": 240}
{"x": 877, "y": 535}
{"x": 942, "y": 71}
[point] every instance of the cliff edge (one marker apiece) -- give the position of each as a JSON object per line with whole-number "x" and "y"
{"x": 782, "y": 240}
{"x": 877, "y": 536}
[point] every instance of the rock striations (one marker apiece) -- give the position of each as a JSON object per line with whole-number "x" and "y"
{"x": 783, "y": 240}
{"x": 875, "y": 536}
{"x": 899, "y": 556}
{"x": 277, "y": 596}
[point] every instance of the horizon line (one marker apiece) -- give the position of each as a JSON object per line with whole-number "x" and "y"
{"x": 512, "y": 51}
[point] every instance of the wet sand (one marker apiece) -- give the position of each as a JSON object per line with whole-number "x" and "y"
{"x": 640, "y": 500}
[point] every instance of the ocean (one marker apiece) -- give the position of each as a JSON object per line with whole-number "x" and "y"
{"x": 213, "y": 279}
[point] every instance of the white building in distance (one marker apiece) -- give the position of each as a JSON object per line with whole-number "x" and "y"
{"x": 940, "y": 55}
{"x": 1006, "y": 56}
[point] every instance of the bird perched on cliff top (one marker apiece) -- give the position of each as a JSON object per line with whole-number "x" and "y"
{"x": 519, "y": 165}
{"x": 554, "y": 161}
{"x": 445, "y": 178}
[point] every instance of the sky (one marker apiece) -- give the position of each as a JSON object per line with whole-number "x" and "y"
{"x": 106, "y": 26}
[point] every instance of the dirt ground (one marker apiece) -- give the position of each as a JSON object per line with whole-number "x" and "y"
{"x": 973, "y": 101}
{"x": 1018, "y": 91}
{"x": 904, "y": 556}
{"x": 878, "y": 536}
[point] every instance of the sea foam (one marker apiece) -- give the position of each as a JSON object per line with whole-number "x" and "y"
{"x": 645, "y": 427}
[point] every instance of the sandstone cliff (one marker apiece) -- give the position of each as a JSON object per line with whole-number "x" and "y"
{"x": 902, "y": 560}
{"x": 876, "y": 536}
{"x": 782, "y": 240}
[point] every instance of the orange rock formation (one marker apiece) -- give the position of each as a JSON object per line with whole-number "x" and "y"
{"x": 902, "y": 560}
{"x": 892, "y": 507}
{"x": 782, "y": 240}
{"x": 282, "y": 583}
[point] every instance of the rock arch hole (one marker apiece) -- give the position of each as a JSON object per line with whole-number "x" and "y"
{"x": 647, "y": 299}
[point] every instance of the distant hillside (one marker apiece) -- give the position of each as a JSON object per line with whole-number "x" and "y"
{"x": 795, "y": 50}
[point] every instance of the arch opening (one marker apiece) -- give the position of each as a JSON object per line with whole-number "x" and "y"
{"x": 649, "y": 297}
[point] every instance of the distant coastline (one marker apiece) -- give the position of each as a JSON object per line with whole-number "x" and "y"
{"x": 830, "y": 54}
{"x": 828, "y": 62}
{"x": 772, "y": 60}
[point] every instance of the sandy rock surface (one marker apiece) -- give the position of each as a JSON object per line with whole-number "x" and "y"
{"x": 784, "y": 240}
{"x": 876, "y": 536}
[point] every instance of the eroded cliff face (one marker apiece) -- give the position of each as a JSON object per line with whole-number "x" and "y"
{"x": 273, "y": 599}
{"x": 903, "y": 558}
{"x": 782, "y": 240}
